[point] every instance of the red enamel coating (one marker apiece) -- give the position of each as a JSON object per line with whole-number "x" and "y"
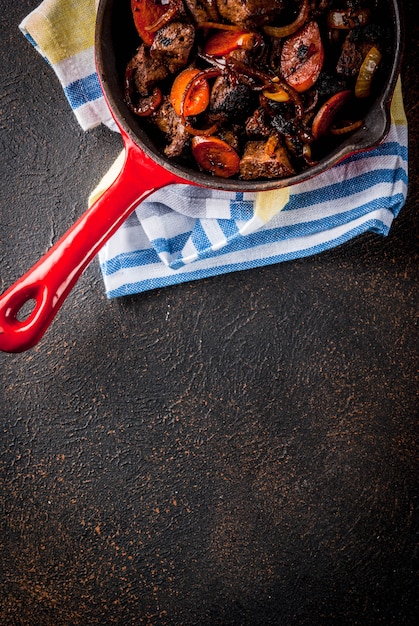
{"x": 53, "y": 276}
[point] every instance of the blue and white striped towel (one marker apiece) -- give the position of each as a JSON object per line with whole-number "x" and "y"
{"x": 184, "y": 233}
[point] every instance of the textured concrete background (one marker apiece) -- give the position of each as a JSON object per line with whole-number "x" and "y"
{"x": 237, "y": 451}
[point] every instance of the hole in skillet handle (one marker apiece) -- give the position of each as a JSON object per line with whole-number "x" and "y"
{"x": 115, "y": 42}
{"x": 22, "y": 309}
{"x": 26, "y": 310}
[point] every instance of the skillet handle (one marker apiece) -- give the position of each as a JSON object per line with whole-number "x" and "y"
{"x": 45, "y": 286}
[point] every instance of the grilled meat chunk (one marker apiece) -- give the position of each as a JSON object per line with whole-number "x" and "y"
{"x": 170, "y": 124}
{"x": 355, "y": 47}
{"x": 202, "y": 11}
{"x": 327, "y": 84}
{"x": 145, "y": 71}
{"x": 172, "y": 45}
{"x": 230, "y": 99}
{"x": 259, "y": 161}
{"x": 231, "y": 136}
{"x": 249, "y": 13}
{"x": 257, "y": 126}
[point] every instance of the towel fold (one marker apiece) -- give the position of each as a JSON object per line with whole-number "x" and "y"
{"x": 184, "y": 233}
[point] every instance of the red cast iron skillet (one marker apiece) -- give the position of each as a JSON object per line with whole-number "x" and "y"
{"x": 145, "y": 170}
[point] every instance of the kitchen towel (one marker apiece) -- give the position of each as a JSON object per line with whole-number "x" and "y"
{"x": 183, "y": 233}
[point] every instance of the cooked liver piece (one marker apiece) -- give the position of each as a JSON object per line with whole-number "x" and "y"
{"x": 249, "y": 12}
{"x": 356, "y": 46}
{"x": 257, "y": 162}
{"x": 173, "y": 44}
{"x": 170, "y": 124}
{"x": 230, "y": 99}
{"x": 200, "y": 11}
{"x": 146, "y": 72}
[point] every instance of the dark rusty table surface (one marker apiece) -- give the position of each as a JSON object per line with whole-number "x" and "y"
{"x": 241, "y": 450}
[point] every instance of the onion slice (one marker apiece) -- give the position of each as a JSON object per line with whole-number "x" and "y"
{"x": 219, "y": 26}
{"x": 276, "y": 92}
{"x": 366, "y": 72}
{"x": 345, "y": 128}
{"x": 289, "y": 29}
{"x": 201, "y": 132}
{"x": 146, "y": 105}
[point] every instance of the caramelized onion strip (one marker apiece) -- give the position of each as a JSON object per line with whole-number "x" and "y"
{"x": 290, "y": 29}
{"x": 220, "y": 26}
{"x": 201, "y": 77}
{"x": 146, "y": 105}
{"x": 268, "y": 82}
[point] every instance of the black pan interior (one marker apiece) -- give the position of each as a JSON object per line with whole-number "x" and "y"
{"x": 116, "y": 41}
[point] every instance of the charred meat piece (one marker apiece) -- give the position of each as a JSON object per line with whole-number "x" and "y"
{"x": 290, "y": 128}
{"x": 242, "y": 56}
{"x": 260, "y": 160}
{"x": 257, "y": 125}
{"x": 355, "y": 47}
{"x": 249, "y": 13}
{"x": 170, "y": 124}
{"x": 231, "y": 136}
{"x": 172, "y": 45}
{"x": 230, "y": 99}
{"x": 145, "y": 71}
{"x": 202, "y": 11}
{"x": 327, "y": 84}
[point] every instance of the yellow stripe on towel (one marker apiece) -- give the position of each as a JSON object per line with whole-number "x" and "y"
{"x": 397, "y": 109}
{"x": 63, "y": 29}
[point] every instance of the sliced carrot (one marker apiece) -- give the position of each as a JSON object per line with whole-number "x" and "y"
{"x": 186, "y": 100}
{"x": 216, "y": 156}
{"x": 302, "y": 57}
{"x": 146, "y": 13}
{"x": 290, "y": 29}
{"x": 223, "y": 42}
{"x": 174, "y": 7}
{"x": 327, "y": 113}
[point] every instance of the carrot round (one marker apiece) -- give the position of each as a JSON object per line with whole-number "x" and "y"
{"x": 302, "y": 57}
{"x": 186, "y": 99}
{"x": 146, "y": 13}
{"x": 216, "y": 156}
{"x": 223, "y": 42}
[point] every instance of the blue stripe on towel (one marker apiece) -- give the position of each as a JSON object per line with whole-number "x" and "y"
{"x": 346, "y": 188}
{"x": 186, "y": 276}
{"x": 83, "y": 90}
